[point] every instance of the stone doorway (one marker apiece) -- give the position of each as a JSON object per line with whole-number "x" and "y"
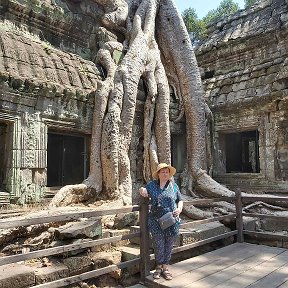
{"x": 178, "y": 151}
{"x": 66, "y": 159}
{"x": 3, "y": 153}
{"x": 242, "y": 152}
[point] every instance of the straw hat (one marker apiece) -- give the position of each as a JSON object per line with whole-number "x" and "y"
{"x": 161, "y": 166}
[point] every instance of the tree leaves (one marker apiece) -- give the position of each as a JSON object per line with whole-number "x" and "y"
{"x": 197, "y": 28}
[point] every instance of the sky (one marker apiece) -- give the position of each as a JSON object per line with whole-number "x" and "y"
{"x": 202, "y": 7}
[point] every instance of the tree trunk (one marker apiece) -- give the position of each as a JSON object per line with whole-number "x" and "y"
{"x": 149, "y": 23}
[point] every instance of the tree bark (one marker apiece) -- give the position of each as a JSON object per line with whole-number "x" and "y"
{"x": 156, "y": 49}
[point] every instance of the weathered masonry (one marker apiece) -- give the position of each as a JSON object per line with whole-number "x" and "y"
{"x": 245, "y": 76}
{"x": 46, "y": 97}
{"x": 48, "y": 80}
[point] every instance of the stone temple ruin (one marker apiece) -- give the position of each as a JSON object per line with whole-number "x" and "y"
{"x": 47, "y": 86}
{"x": 245, "y": 76}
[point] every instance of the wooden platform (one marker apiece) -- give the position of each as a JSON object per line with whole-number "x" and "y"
{"x": 234, "y": 266}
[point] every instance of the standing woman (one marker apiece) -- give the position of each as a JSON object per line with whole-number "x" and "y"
{"x": 165, "y": 197}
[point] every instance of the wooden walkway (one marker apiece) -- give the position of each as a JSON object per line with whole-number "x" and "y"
{"x": 235, "y": 266}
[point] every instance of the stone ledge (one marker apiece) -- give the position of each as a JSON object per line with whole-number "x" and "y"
{"x": 51, "y": 273}
{"x": 16, "y": 276}
{"x": 202, "y": 232}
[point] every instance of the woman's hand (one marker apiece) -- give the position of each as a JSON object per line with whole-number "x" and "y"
{"x": 143, "y": 192}
{"x": 177, "y": 212}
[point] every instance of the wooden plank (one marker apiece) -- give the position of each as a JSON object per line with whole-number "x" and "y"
{"x": 203, "y": 242}
{"x": 191, "y": 224}
{"x": 267, "y": 199}
{"x": 186, "y": 269}
{"x": 218, "y": 252}
{"x": 61, "y": 249}
{"x": 274, "y": 279}
{"x": 180, "y": 268}
{"x": 265, "y": 216}
{"x": 266, "y": 236}
{"x": 250, "y": 276}
{"x": 209, "y": 201}
{"x": 208, "y": 267}
{"x": 210, "y": 257}
{"x": 144, "y": 239}
{"x": 5, "y": 224}
{"x": 258, "y": 257}
{"x": 239, "y": 217}
{"x": 284, "y": 285}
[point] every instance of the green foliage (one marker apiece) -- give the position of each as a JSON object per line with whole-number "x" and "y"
{"x": 195, "y": 26}
{"x": 190, "y": 19}
{"x": 226, "y": 8}
{"x": 249, "y": 3}
{"x": 198, "y": 27}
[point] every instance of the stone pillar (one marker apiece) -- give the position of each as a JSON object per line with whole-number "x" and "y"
{"x": 33, "y": 166}
{"x": 13, "y": 153}
{"x": 267, "y": 146}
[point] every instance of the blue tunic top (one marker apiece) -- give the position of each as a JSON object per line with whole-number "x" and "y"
{"x": 167, "y": 198}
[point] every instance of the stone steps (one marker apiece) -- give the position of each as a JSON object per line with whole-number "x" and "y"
{"x": 4, "y": 198}
{"x": 51, "y": 191}
{"x": 252, "y": 183}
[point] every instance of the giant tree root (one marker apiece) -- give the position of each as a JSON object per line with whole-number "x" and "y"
{"x": 154, "y": 54}
{"x": 71, "y": 194}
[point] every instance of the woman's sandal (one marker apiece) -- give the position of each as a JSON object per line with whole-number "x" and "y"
{"x": 166, "y": 274}
{"x": 157, "y": 273}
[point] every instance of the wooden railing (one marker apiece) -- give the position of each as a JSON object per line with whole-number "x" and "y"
{"x": 147, "y": 258}
{"x": 64, "y": 217}
{"x": 239, "y": 232}
{"x": 260, "y": 236}
{"x": 145, "y": 261}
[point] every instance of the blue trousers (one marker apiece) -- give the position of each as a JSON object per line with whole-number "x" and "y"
{"x": 163, "y": 246}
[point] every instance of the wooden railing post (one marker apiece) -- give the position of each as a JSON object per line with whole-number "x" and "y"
{"x": 239, "y": 216}
{"x": 144, "y": 239}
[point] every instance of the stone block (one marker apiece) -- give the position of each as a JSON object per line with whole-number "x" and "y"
{"x": 202, "y": 232}
{"x": 221, "y": 99}
{"x": 136, "y": 240}
{"x": 230, "y": 97}
{"x": 26, "y": 176}
{"x": 130, "y": 253}
{"x": 89, "y": 228}
{"x": 240, "y": 94}
{"x": 135, "y": 229}
{"x": 225, "y": 90}
{"x": 102, "y": 247}
{"x": 40, "y": 177}
{"x": 123, "y": 220}
{"x": 250, "y": 223}
{"x": 114, "y": 233}
{"x": 51, "y": 273}
{"x": 103, "y": 259}
{"x": 16, "y": 276}
{"x": 77, "y": 242}
{"x": 78, "y": 264}
{"x": 273, "y": 225}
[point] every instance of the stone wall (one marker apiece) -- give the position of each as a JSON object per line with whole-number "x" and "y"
{"x": 244, "y": 71}
{"x": 47, "y": 81}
